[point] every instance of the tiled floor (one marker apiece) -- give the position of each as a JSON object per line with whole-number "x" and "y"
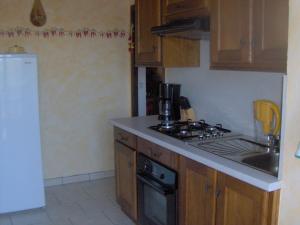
{"x": 88, "y": 203}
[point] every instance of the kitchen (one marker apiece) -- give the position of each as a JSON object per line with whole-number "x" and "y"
{"x": 78, "y": 99}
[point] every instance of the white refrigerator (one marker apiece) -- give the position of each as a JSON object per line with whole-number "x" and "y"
{"x": 21, "y": 175}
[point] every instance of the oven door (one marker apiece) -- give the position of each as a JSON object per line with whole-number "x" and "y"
{"x": 157, "y": 203}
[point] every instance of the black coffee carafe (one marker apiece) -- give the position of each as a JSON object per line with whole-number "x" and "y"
{"x": 169, "y": 104}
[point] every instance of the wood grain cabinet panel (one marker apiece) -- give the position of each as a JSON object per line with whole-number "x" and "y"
{"x": 230, "y": 32}
{"x": 249, "y": 35}
{"x": 148, "y": 46}
{"x": 241, "y": 203}
{"x": 145, "y": 146}
{"x": 185, "y": 8}
{"x": 125, "y": 165}
{"x": 208, "y": 197}
{"x": 197, "y": 191}
{"x": 270, "y": 34}
{"x": 154, "y": 51}
{"x": 158, "y": 153}
{"x": 125, "y": 137}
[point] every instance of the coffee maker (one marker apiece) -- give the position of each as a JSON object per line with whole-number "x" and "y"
{"x": 169, "y": 104}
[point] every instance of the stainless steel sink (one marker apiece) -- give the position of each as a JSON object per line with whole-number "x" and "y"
{"x": 267, "y": 162}
{"x": 245, "y": 151}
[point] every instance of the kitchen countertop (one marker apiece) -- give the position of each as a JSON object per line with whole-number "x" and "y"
{"x": 139, "y": 127}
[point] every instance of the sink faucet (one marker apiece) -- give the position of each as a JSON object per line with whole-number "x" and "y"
{"x": 273, "y": 143}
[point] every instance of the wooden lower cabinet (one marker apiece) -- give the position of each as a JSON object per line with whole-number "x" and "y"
{"x": 208, "y": 197}
{"x": 125, "y": 163}
{"x": 197, "y": 190}
{"x": 240, "y": 203}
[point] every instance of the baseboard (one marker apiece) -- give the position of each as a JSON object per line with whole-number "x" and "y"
{"x": 78, "y": 178}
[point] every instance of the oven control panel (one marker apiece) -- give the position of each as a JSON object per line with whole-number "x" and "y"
{"x": 156, "y": 170}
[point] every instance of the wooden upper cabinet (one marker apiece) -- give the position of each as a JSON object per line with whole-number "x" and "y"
{"x": 197, "y": 191}
{"x": 152, "y": 50}
{"x": 241, "y": 203}
{"x": 230, "y": 32}
{"x": 249, "y": 34}
{"x": 186, "y": 8}
{"x": 270, "y": 34}
{"x": 148, "y": 46}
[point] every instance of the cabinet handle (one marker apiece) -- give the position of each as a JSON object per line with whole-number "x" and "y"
{"x": 179, "y": 6}
{"x": 218, "y": 193}
{"x": 123, "y": 138}
{"x": 242, "y": 42}
{"x": 253, "y": 43}
{"x": 207, "y": 187}
{"x": 156, "y": 155}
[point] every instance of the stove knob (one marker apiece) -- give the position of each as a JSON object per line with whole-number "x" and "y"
{"x": 215, "y": 135}
{"x": 200, "y": 136}
{"x": 207, "y": 135}
{"x": 148, "y": 166}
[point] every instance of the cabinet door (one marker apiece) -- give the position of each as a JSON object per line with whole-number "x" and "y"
{"x": 240, "y": 203}
{"x": 125, "y": 159}
{"x": 230, "y": 32}
{"x": 178, "y": 6}
{"x": 148, "y": 46}
{"x": 197, "y": 193}
{"x": 271, "y": 34}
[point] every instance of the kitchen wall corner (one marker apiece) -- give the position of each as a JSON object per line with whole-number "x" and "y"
{"x": 83, "y": 82}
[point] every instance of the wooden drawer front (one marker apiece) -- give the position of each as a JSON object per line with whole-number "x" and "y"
{"x": 178, "y": 6}
{"x": 165, "y": 157}
{"x": 158, "y": 153}
{"x": 145, "y": 147}
{"x": 125, "y": 137}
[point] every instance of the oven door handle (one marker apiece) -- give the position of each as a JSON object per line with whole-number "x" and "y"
{"x": 155, "y": 185}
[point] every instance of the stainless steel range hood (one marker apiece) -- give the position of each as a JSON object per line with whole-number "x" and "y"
{"x": 193, "y": 28}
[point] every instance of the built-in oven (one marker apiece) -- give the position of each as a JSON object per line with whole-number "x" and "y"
{"x": 157, "y": 193}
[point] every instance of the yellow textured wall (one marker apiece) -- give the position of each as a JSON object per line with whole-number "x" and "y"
{"x": 290, "y": 199}
{"x": 82, "y": 82}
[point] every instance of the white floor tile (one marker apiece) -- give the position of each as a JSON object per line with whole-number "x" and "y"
{"x": 96, "y": 219}
{"x": 94, "y": 206}
{"x": 30, "y": 217}
{"x": 64, "y": 211}
{"x": 86, "y": 203}
{"x": 117, "y": 216}
{"x": 51, "y": 199}
{"x": 55, "y": 223}
{"x": 70, "y": 193}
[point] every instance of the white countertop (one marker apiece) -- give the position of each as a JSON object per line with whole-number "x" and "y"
{"x": 139, "y": 126}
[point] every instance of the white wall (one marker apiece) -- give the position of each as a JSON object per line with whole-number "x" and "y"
{"x": 83, "y": 82}
{"x": 226, "y": 96}
{"x": 290, "y": 195}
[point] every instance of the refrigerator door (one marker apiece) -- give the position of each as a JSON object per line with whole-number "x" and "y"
{"x": 21, "y": 176}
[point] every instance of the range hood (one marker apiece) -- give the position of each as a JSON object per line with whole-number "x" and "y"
{"x": 193, "y": 28}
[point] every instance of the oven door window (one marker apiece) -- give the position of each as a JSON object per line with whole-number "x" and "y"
{"x": 156, "y": 207}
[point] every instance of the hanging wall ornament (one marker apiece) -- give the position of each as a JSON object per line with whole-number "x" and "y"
{"x": 38, "y": 16}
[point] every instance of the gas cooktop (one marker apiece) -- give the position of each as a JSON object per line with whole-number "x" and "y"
{"x": 199, "y": 131}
